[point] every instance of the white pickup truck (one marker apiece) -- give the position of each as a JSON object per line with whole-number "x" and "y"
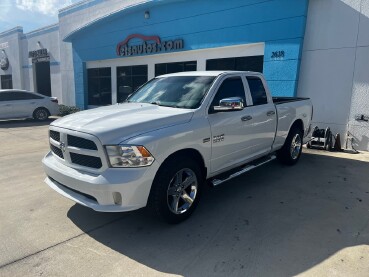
{"x": 172, "y": 135}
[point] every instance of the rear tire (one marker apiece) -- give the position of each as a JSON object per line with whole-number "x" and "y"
{"x": 41, "y": 114}
{"x": 290, "y": 153}
{"x": 176, "y": 190}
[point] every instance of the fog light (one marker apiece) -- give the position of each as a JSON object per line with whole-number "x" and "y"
{"x": 117, "y": 198}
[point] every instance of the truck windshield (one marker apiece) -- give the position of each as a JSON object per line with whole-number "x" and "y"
{"x": 178, "y": 91}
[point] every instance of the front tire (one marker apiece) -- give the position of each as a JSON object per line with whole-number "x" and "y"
{"x": 41, "y": 114}
{"x": 176, "y": 190}
{"x": 290, "y": 153}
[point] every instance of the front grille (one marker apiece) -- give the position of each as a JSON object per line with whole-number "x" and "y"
{"x": 55, "y": 135}
{"x": 89, "y": 161}
{"x": 81, "y": 143}
{"x": 75, "y": 150}
{"x": 56, "y": 151}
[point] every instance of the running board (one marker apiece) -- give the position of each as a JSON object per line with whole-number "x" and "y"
{"x": 247, "y": 168}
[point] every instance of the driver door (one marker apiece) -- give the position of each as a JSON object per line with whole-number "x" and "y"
{"x": 231, "y": 131}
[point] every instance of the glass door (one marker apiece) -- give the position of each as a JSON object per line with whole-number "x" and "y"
{"x": 129, "y": 78}
{"x": 99, "y": 86}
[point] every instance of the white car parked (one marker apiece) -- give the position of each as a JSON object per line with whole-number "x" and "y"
{"x": 16, "y": 103}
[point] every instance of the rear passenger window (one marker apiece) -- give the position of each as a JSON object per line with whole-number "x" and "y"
{"x": 7, "y": 96}
{"x": 231, "y": 87}
{"x": 26, "y": 96}
{"x": 257, "y": 90}
{"x": 18, "y": 95}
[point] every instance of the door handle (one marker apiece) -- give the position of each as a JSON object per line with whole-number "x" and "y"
{"x": 270, "y": 113}
{"x": 246, "y": 118}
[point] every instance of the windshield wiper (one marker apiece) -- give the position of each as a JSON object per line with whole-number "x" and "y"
{"x": 159, "y": 104}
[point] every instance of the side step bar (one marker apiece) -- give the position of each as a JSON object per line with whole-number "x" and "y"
{"x": 242, "y": 170}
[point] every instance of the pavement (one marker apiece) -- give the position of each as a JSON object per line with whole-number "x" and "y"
{"x": 311, "y": 219}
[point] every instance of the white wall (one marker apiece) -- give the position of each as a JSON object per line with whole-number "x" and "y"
{"x": 335, "y": 65}
{"x": 360, "y": 93}
{"x": 48, "y": 37}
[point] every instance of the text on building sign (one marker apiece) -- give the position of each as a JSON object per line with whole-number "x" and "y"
{"x": 150, "y": 45}
{"x": 38, "y": 53}
{"x": 4, "y": 45}
{"x": 278, "y": 55}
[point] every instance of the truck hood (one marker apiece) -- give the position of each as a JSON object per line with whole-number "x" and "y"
{"x": 116, "y": 123}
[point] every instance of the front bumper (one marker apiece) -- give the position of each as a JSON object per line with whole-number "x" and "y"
{"x": 96, "y": 190}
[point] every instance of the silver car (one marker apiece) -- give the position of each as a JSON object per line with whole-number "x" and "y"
{"x": 16, "y": 103}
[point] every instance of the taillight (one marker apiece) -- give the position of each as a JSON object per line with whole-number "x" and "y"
{"x": 55, "y": 100}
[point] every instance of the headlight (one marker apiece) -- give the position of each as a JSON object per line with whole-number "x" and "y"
{"x": 128, "y": 156}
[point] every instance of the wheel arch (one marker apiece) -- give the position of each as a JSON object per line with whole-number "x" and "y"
{"x": 298, "y": 123}
{"x": 159, "y": 186}
{"x": 188, "y": 152}
{"x": 284, "y": 154}
{"x": 41, "y": 107}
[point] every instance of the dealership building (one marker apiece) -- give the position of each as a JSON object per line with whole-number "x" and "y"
{"x": 100, "y": 51}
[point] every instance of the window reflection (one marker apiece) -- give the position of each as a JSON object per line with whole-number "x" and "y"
{"x": 99, "y": 86}
{"x": 130, "y": 78}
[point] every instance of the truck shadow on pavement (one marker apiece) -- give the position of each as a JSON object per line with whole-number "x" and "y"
{"x": 274, "y": 221}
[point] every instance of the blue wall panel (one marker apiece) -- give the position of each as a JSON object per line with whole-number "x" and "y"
{"x": 280, "y": 24}
{"x": 282, "y": 88}
{"x": 80, "y": 80}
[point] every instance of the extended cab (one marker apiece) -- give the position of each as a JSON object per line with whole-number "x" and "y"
{"x": 159, "y": 147}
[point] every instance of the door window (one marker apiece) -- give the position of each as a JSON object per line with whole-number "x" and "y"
{"x": 257, "y": 90}
{"x": 3, "y": 97}
{"x": 21, "y": 95}
{"x": 8, "y": 96}
{"x": 231, "y": 87}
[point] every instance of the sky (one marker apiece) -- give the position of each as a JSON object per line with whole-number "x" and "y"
{"x": 30, "y": 14}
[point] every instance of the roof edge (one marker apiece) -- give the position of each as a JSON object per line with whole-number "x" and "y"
{"x": 45, "y": 28}
{"x": 69, "y": 37}
{"x": 11, "y": 31}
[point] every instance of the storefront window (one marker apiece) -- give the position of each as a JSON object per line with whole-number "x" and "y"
{"x": 130, "y": 78}
{"x": 99, "y": 86}
{"x": 166, "y": 68}
{"x": 252, "y": 63}
{"x": 6, "y": 82}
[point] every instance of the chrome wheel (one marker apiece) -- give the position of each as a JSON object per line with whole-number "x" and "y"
{"x": 296, "y": 146}
{"x": 41, "y": 114}
{"x": 182, "y": 191}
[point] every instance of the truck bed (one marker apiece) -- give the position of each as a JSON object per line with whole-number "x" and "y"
{"x": 281, "y": 100}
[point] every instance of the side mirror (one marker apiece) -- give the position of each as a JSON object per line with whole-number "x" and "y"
{"x": 229, "y": 104}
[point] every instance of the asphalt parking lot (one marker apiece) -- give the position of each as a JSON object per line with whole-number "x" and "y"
{"x": 309, "y": 220}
